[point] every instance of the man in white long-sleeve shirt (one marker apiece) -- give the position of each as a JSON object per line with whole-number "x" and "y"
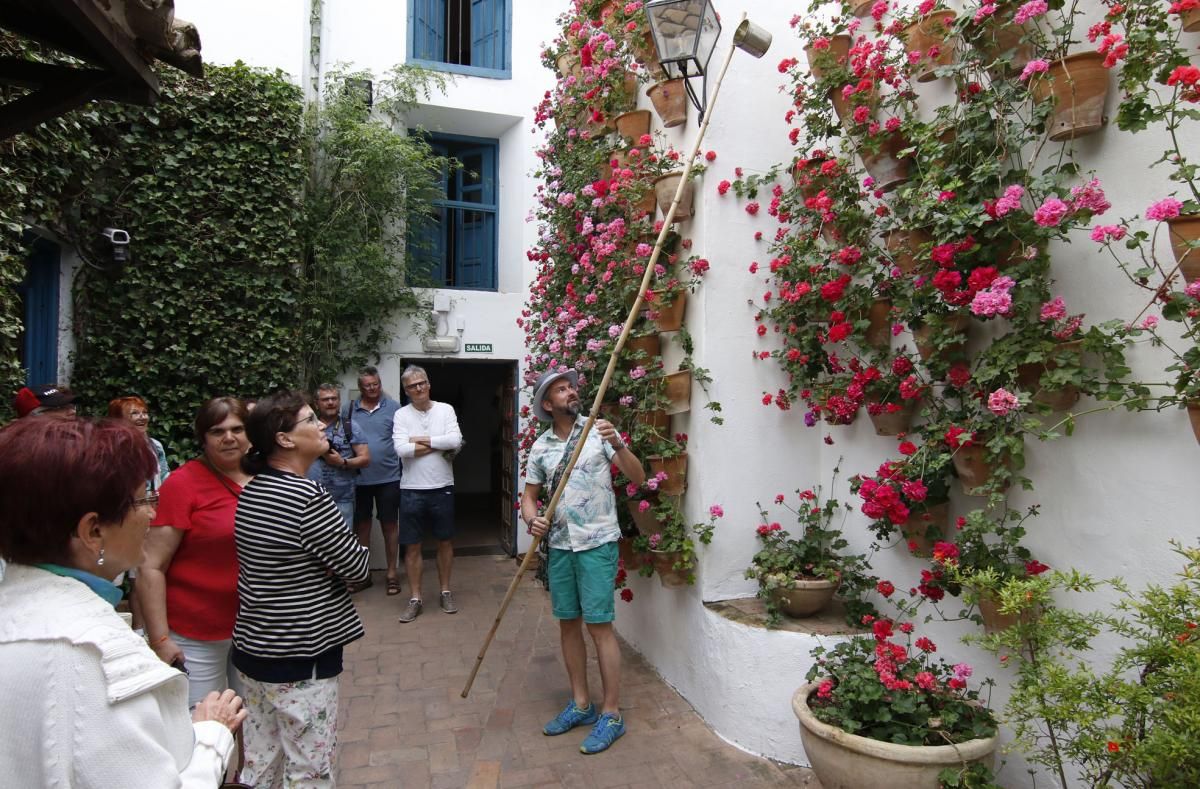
{"x": 427, "y": 437}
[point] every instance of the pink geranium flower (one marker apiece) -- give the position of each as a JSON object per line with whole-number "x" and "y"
{"x": 1003, "y": 402}
{"x": 1034, "y": 67}
{"x": 1051, "y": 212}
{"x": 1167, "y": 208}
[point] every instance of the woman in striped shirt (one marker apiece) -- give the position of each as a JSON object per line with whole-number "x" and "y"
{"x": 295, "y": 615}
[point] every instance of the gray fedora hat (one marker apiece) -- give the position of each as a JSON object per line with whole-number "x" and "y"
{"x": 543, "y": 384}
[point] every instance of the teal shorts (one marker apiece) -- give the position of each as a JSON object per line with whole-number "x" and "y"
{"x": 582, "y": 583}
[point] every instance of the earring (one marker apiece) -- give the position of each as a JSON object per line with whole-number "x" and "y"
{"x": 100, "y": 560}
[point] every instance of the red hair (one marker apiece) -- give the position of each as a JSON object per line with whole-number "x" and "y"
{"x": 118, "y": 407}
{"x": 53, "y": 472}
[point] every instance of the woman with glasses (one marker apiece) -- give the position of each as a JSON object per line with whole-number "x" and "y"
{"x": 295, "y": 615}
{"x": 83, "y": 701}
{"x": 133, "y": 409}
{"x": 187, "y": 585}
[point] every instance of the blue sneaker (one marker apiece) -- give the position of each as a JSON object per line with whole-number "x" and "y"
{"x": 606, "y": 731}
{"x": 569, "y": 718}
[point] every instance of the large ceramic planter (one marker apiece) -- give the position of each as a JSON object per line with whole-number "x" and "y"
{"x": 669, "y": 316}
{"x": 1078, "y": 85}
{"x": 665, "y": 187}
{"x": 820, "y": 60}
{"x": 670, "y": 102}
{"x": 925, "y": 35}
{"x": 916, "y": 529}
{"x": 885, "y": 164}
{"x": 893, "y": 423}
{"x": 806, "y": 597}
{"x": 847, "y": 761}
{"x": 953, "y": 324}
{"x": 1029, "y": 378}
{"x": 1185, "y": 230}
{"x": 677, "y": 389}
{"x": 664, "y": 567}
{"x": 904, "y": 248}
{"x": 676, "y": 470}
{"x": 975, "y": 471}
{"x": 633, "y": 124}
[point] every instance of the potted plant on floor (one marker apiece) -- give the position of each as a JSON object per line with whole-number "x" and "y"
{"x": 882, "y": 711}
{"x": 799, "y": 576}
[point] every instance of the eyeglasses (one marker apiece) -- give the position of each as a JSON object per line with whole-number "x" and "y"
{"x": 417, "y": 385}
{"x": 149, "y": 500}
{"x": 311, "y": 419}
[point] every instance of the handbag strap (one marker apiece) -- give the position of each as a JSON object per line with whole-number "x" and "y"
{"x": 220, "y": 477}
{"x": 568, "y": 450}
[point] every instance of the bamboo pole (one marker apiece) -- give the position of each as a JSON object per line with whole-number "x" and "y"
{"x": 612, "y": 366}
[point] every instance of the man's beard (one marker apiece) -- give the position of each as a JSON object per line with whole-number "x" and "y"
{"x": 573, "y": 408}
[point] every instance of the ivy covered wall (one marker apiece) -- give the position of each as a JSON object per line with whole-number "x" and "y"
{"x": 208, "y": 183}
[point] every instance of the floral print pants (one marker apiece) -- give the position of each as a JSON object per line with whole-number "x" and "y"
{"x": 290, "y": 733}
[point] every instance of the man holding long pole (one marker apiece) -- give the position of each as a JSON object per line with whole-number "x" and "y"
{"x": 583, "y": 548}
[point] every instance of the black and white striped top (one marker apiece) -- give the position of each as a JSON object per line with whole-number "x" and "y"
{"x": 289, "y": 535}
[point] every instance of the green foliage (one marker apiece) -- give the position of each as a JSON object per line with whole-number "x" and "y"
{"x": 367, "y": 184}
{"x": 1125, "y": 721}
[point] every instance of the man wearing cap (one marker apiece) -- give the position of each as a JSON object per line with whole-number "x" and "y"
{"x": 51, "y": 400}
{"x": 582, "y": 567}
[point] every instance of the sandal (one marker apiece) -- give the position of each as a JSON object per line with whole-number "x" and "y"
{"x": 393, "y": 586}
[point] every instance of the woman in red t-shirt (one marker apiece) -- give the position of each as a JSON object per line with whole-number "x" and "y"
{"x": 187, "y": 585}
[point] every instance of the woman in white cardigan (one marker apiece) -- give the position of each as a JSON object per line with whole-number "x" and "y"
{"x": 84, "y": 702}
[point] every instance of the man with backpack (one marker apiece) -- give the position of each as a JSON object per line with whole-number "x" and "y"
{"x": 348, "y": 452}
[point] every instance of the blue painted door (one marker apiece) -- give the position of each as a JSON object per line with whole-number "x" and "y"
{"x": 39, "y": 292}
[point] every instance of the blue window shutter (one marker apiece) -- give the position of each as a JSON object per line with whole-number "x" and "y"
{"x": 487, "y": 33}
{"x": 429, "y": 29}
{"x": 40, "y": 291}
{"x": 474, "y": 238}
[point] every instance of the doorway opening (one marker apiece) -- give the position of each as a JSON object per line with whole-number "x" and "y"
{"x": 484, "y": 396}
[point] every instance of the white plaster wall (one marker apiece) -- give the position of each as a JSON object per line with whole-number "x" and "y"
{"x": 1111, "y": 496}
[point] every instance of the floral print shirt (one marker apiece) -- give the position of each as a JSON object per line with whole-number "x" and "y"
{"x": 586, "y": 516}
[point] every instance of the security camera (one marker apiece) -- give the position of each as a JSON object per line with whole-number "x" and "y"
{"x": 120, "y": 243}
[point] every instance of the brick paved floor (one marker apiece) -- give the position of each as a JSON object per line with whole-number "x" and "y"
{"x": 402, "y": 722}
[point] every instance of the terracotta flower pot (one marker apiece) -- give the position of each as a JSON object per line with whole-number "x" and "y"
{"x": 664, "y": 566}
{"x": 807, "y": 596}
{"x": 926, "y": 34}
{"x": 916, "y": 529}
{"x": 657, "y": 419}
{"x": 846, "y": 761}
{"x": 1029, "y": 377}
{"x": 670, "y": 102}
{"x": 1191, "y": 20}
{"x": 996, "y": 622}
{"x": 975, "y": 471}
{"x": 642, "y": 46}
{"x": 1193, "y": 412}
{"x": 633, "y": 124}
{"x": 1078, "y": 85}
{"x": 923, "y": 338}
{"x": 665, "y": 187}
{"x": 647, "y": 522}
{"x": 632, "y": 559}
{"x": 904, "y": 248}
{"x": 861, "y": 8}
{"x": 885, "y": 165}
{"x": 879, "y": 326}
{"x": 676, "y": 470}
{"x": 669, "y": 316}
{"x": 649, "y": 344}
{"x": 893, "y": 423}
{"x": 1185, "y": 229}
{"x": 568, "y": 65}
{"x": 845, "y": 106}
{"x": 838, "y": 52}
{"x": 677, "y": 388}
{"x": 997, "y": 38}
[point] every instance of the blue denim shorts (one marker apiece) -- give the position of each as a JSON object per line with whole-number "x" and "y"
{"x": 582, "y": 583}
{"x": 426, "y": 512}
